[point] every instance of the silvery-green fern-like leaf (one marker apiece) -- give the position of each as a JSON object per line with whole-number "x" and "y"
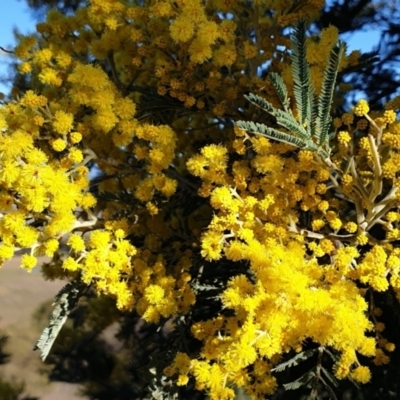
{"x": 296, "y": 360}
{"x": 327, "y": 90}
{"x": 64, "y": 302}
{"x": 281, "y": 89}
{"x": 271, "y": 133}
{"x": 304, "y": 380}
{"x": 312, "y": 129}
{"x": 283, "y": 118}
{"x": 260, "y": 102}
{"x": 315, "y": 126}
{"x": 301, "y": 73}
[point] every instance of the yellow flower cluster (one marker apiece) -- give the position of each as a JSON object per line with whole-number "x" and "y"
{"x": 34, "y": 187}
{"x": 260, "y": 203}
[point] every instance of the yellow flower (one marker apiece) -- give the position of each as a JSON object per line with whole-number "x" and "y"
{"x": 344, "y": 137}
{"x": 208, "y": 32}
{"x": 63, "y": 122}
{"x": 88, "y": 201}
{"x": 76, "y": 243}
{"x": 99, "y": 239}
{"x": 9, "y": 172}
{"x": 225, "y": 55}
{"x": 59, "y": 145}
{"x": 361, "y": 108}
{"x": 43, "y": 56}
{"x": 389, "y": 116}
{"x": 199, "y": 51}
{"x": 169, "y": 187}
{"x": 70, "y": 264}
{"x": 361, "y": 374}
{"x": 50, "y": 247}
{"x": 32, "y": 100}
{"x": 347, "y": 118}
{"x": 6, "y": 252}
{"x": 49, "y": 76}
{"x": 154, "y": 294}
{"x": 390, "y": 347}
{"x": 236, "y": 251}
{"x": 181, "y": 29}
{"x": 350, "y": 227}
{"x": 75, "y": 155}
{"x": 249, "y": 50}
{"x": 152, "y": 208}
{"x": 28, "y": 262}
{"x": 75, "y": 137}
{"x": 211, "y": 245}
{"x": 27, "y": 236}
{"x": 25, "y": 67}
{"x": 221, "y": 198}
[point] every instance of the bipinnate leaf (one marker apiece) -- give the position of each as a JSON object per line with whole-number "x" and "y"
{"x": 301, "y": 73}
{"x": 311, "y": 131}
{"x": 297, "y": 359}
{"x": 326, "y": 95}
{"x": 304, "y": 380}
{"x": 64, "y": 302}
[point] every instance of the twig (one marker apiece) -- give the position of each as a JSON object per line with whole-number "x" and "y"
{"x": 6, "y": 51}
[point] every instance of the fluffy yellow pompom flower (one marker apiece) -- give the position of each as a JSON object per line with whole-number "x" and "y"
{"x": 99, "y": 239}
{"x": 76, "y": 243}
{"x": 389, "y": 116}
{"x": 361, "y": 108}
{"x": 28, "y": 262}
{"x": 75, "y": 155}
{"x": 25, "y": 67}
{"x": 59, "y": 145}
{"x": 199, "y": 51}
{"x": 50, "y": 247}
{"x": 181, "y": 29}
{"x": 70, "y": 264}
{"x": 49, "y": 76}
{"x": 6, "y": 252}
{"x": 75, "y": 137}
{"x": 88, "y": 201}
{"x": 343, "y": 137}
{"x": 32, "y": 100}
{"x": 154, "y": 294}
{"x": 63, "y": 122}
{"x": 225, "y": 55}
{"x": 361, "y": 374}
{"x": 211, "y": 245}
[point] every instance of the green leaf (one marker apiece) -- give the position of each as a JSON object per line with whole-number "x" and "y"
{"x": 333, "y": 356}
{"x": 327, "y": 90}
{"x": 330, "y": 377}
{"x": 302, "y": 381}
{"x": 329, "y": 389}
{"x": 315, "y": 126}
{"x": 271, "y": 133}
{"x": 283, "y": 118}
{"x": 297, "y": 359}
{"x": 65, "y": 301}
{"x": 261, "y": 103}
{"x": 301, "y": 73}
{"x": 281, "y": 89}
{"x": 312, "y": 130}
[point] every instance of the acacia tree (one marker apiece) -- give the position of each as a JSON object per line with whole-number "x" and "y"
{"x": 221, "y": 206}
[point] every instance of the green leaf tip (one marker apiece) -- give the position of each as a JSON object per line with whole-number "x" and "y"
{"x": 312, "y": 129}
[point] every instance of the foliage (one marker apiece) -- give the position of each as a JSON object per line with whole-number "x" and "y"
{"x": 232, "y": 251}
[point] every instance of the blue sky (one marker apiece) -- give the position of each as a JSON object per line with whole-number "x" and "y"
{"x": 15, "y": 14}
